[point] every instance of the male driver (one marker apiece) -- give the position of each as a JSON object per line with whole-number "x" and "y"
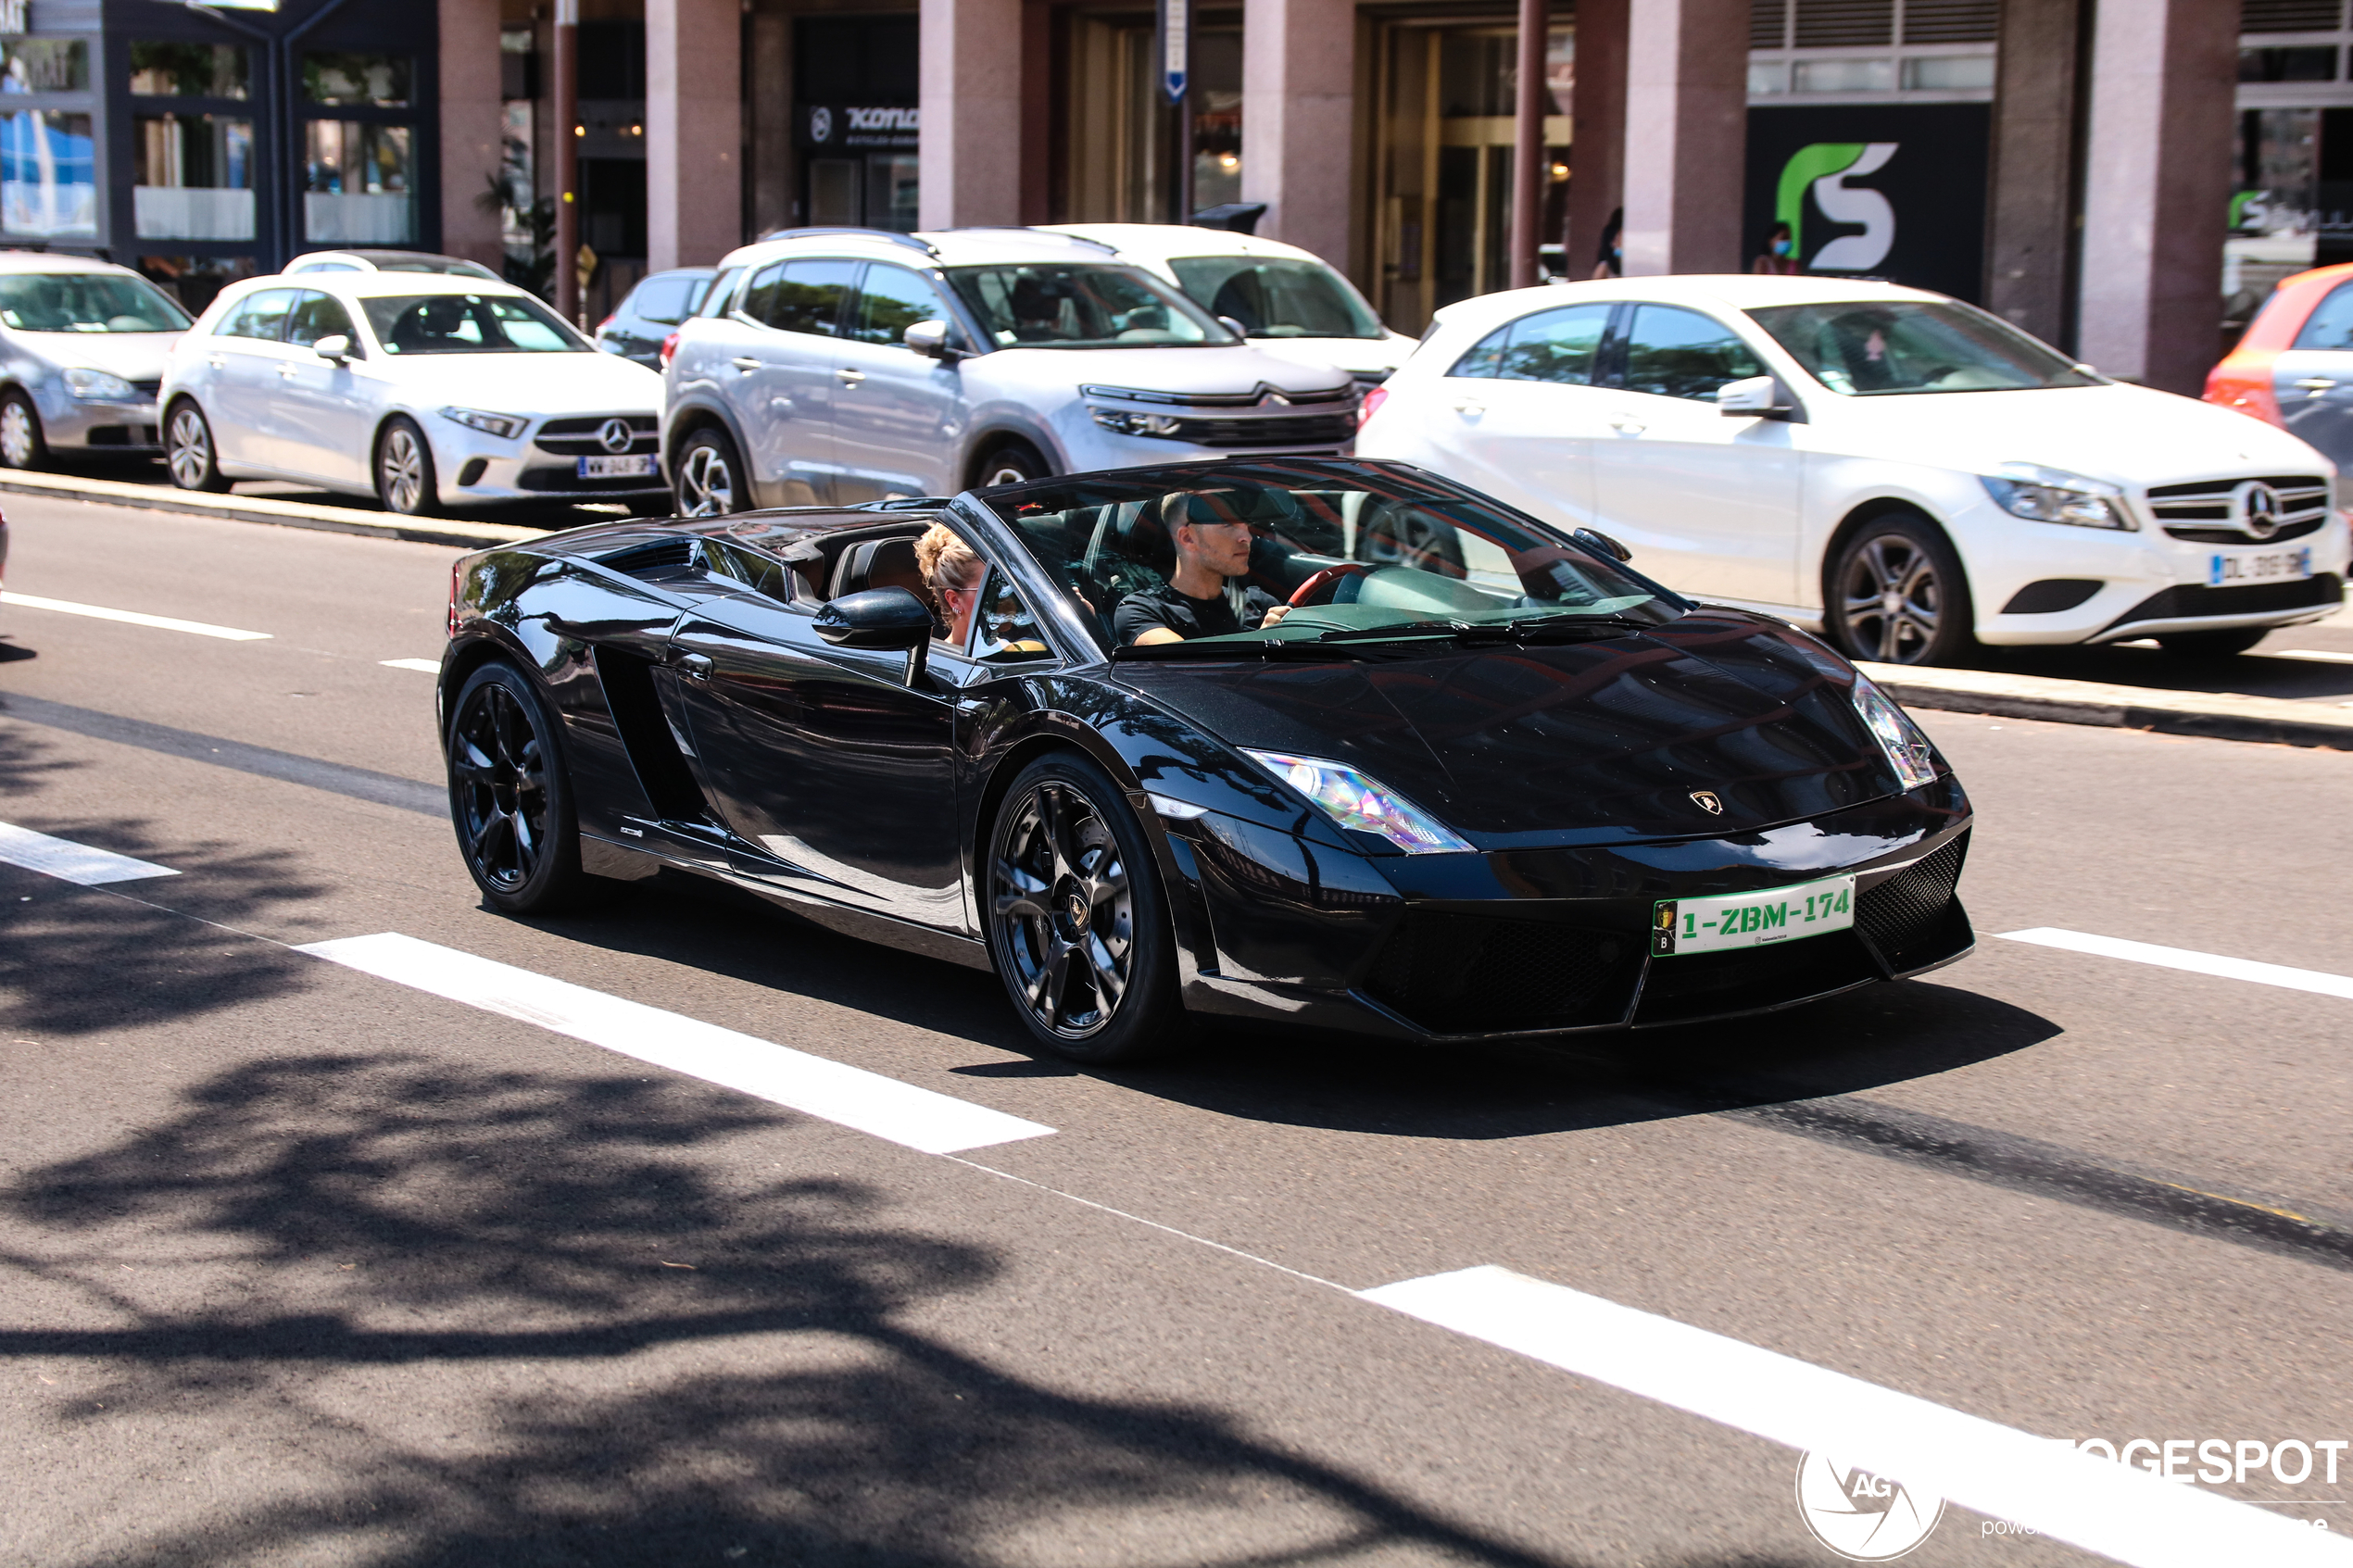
{"x": 1212, "y": 546}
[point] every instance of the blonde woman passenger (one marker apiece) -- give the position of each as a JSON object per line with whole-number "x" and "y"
{"x": 953, "y": 571}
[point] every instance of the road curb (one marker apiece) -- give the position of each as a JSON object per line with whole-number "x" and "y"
{"x": 257, "y": 509}
{"x": 2216, "y": 716}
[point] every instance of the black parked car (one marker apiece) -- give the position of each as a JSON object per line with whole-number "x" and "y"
{"x": 652, "y": 311}
{"x": 1483, "y": 780}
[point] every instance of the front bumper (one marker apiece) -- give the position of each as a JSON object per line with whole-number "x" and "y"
{"x": 473, "y": 466}
{"x": 99, "y": 426}
{"x": 1445, "y": 948}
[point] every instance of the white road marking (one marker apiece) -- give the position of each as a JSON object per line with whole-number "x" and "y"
{"x": 2314, "y": 980}
{"x": 2116, "y": 1509}
{"x": 919, "y": 1118}
{"x": 429, "y": 666}
{"x": 132, "y": 618}
{"x": 2319, "y": 656}
{"x": 73, "y": 863}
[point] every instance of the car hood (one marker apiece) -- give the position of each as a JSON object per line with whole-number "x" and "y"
{"x": 131, "y": 355}
{"x": 526, "y": 384}
{"x": 1588, "y": 742}
{"x": 1226, "y": 369}
{"x": 2127, "y": 435}
{"x": 1381, "y": 356}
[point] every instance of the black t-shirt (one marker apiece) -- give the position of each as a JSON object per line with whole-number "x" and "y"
{"x": 1181, "y": 613}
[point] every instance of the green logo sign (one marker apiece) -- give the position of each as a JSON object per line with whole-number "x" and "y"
{"x": 1824, "y": 168}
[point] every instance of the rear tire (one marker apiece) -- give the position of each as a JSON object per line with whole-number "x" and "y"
{"x": 1011, "y": 462}
{"x": 1896, "y": 593}
{"x": 405, "y": 481}
{"x": 21, "y": 444}
{"x": 2212, "y": 644}
{"x": 711, "y": 481}
{"x": 511, "y": 795}
{"x": 188, "y": 452}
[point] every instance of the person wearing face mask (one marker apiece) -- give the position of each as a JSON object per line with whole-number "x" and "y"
{"x": 1611, "y": 261}
{"x": 1778, "y": 258}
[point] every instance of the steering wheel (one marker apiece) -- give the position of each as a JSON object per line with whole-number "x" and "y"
{"x": 1327, "y": 582}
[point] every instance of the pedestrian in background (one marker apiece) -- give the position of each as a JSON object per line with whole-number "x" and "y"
{"x": 1779, "y": 260}
{"x": 1610, "y": 263}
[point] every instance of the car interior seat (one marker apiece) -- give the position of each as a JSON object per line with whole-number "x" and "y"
{"x": 882, "y": 563}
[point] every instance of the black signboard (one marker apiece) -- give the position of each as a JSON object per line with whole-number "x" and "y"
{"x": 1888, "y": 190}
{"x": 858, "y": 127}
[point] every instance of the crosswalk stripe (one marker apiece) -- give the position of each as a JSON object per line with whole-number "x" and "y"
{"x": 918, "y": 1118}
{"x": 73, "y": 863}
{"x": 135, "y": 618}
{"x": 2315, "y": 980}
{"x": 429, "y": 666}
{"x": 2116, "y": 1509}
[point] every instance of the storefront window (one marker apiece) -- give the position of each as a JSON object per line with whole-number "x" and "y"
{"x": 188, "y": 71}
{"x": 194, "y": 279}
{"x": 343, "y": 78}
{"x": 191, "y": 177}
{"x": 2277, "y": 211}
{"x": 44, "y": 65}
{"x": 48, "y": 175}
{"x": 360, "y": 184}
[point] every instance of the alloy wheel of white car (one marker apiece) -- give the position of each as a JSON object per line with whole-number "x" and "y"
{"x": 706, "y": 480}
{"x": 1892, "y": 600}
{"x": 21, "y": 443}
{"x": 188, "y": 451}
{"x": 404, "y": 470}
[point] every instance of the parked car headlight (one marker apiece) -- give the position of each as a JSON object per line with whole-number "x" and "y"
{"x": 1907, "y": 750}
{"x": 1354, "y": 801}
{"x": 1136, "y": 424}
{"x": 2031, "y": 491}
{"x": 504, "y": 426}
{"x": 99, "y": 384}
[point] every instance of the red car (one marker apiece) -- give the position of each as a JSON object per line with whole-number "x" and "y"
{"x": 2294, "y": 368}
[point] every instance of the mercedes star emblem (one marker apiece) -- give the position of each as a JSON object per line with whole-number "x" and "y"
{"x": 2258, "y": 505}
{"x": 615, "y": 435}
{"x": 1705, "y": 799}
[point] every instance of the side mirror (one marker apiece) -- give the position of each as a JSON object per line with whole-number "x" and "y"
{"x": 1602, "y": 543}
{"x": 336, "y": 347}
{"x": 930, "y": 340}
{"x": 1758, "y": 397}
{"x": 1233, "y": 326}
{"x": 883, "y": 619}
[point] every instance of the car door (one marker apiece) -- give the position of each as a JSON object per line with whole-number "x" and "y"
{"x": 326, "y": 409}
{"x": 1707, "y": 503}
{"x": 1519, "y": 412}
{"x": 820, "y": 759}
{"x": 779, "y": 376}
{"x": 244, "y": 359}
{"x": 898, "y": 414}
{"x": 2312, "y": 379}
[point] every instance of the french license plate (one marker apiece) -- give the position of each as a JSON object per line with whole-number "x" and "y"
{"x": 2267, "y": 565}
{"x": 640, "y": 467}
{"x": 1752, "y": 920}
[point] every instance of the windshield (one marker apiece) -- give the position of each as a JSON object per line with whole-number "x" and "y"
{"x": 1278, "y": 298}
{"x": 1082, "y": 306}
{"x": 87, "y": 302}
{"x": 470, "y": 323}
{"x": 1882, "y": 348}
{"x": 1350, "y": 554}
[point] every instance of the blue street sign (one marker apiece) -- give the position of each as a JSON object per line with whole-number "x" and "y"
{"x": 1176, "y": 47}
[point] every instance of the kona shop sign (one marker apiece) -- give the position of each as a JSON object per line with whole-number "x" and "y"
{"x": 828, "y": 127}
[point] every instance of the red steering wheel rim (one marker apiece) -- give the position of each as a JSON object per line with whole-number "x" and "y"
{"x": 1305, "y": 593}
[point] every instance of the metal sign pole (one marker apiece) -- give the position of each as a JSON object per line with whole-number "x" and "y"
{"x": 1175, "y": 76}
{"x": 567, "y": 117}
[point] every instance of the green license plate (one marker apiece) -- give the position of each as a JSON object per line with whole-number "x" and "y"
{"x": 1752, "y": 920}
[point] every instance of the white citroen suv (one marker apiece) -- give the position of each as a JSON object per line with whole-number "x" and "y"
{"x": 1896, "y": 469}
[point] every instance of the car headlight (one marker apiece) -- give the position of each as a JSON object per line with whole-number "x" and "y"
{"x": 1137, "y": 424}
{"x": 1354, "y": 801}
{"x": 2041, "y": 495}
{"x": 1907, "y": 749}
{"x": 504, "y": 426}
{"x": 99, "y": 384}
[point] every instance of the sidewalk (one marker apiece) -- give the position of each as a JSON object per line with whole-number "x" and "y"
{"x": 467, "y": 532}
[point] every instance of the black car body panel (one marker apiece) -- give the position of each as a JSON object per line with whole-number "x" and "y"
{"x": 708, "y": 728}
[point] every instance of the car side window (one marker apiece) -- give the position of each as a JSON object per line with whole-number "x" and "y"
{"x": 802, "y": 296}
{"x": 720, "y": 297}
{"x": 663, "y": 300}
{"x": 769, "y": 579}
{"x": 2331, "y": 323}
{"x": 1484, "y": 356}
{"x": 1555, "y": 345}
{"x": 1675, "y": 353}
{"x": 262, "y": 315}
{"x": 890, "y": 300}
{"x": 316, "y": 316}
{"x": 1004, "y": 632}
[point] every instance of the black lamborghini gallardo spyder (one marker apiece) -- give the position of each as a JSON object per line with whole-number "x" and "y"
{"x": 1480, "y": 779}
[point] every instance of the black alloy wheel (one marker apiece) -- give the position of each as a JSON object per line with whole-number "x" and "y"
{"x": 711, "y": 477}
{"x": 509, "y": 795}
{"x": 405, "y": 481}
{"x": 2212, "y": 644}
{"x": 21, "y": 444}
{"x": 1011, "y": 462}
{"x": 188, "y": 451}
{"x": 1077, "y": 924}
{"x": 1897, "y": 593}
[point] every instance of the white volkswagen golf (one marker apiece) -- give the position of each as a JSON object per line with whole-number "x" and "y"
{"x": 1897, "y": 470}
{"x": 423, "y": 390}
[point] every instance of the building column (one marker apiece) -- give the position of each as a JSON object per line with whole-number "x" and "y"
{"x": 471, "y": 135}
{"x": 1686, "y": 136}
{"x": 971, "y": 87}
{"x": 694, "y": 131}
{"x": 1299, "y": 128}
{"x": 1597, "y": 132}
{"x": 2031, "y": 210}
{"x": 2157, "y": 187}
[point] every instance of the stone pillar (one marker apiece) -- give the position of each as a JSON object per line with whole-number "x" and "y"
{"x": 470, "y": 133}
{"x": 1686, "y": 136}
{"x": 1299, "y": 129}
{"x": 694, "y": 131}
{"x": 2157, "y": 185}
{"x": 971, "y": 89}
{"x": 2031, "y": 210}
{"x": 1597, "y": 131}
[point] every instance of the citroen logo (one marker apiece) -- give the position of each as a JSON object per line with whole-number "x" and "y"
{"x": 1706, "y": 801}
{"x": 615, "y": 435}
{"x": 2258, "y": 508}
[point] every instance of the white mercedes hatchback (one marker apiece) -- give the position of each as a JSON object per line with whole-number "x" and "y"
{"x": 1893, "y": 468}
{"x": 424, "y": 391}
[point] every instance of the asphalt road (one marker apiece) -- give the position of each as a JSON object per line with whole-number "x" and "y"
{"x": 298, "y": 1264}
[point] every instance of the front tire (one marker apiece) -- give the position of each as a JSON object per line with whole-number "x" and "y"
{"x": 711, "y": 476}
{"x": 188, "y": 451}
{"x": 1077, "y": 925}
{"x": 1011, "y": 462}
{"x": 511, "y": 795}
{"x": 1897, "y": 593}
{"x": 2212, "y": 644}
{"x": 21, "y": 444}
{"x": 405, "y": 481}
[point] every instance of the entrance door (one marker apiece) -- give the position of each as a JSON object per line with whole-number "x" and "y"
{"x": 897, "y": 413}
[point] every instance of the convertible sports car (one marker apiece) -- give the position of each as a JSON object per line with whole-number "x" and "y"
{"x": 1483, "y": 780}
